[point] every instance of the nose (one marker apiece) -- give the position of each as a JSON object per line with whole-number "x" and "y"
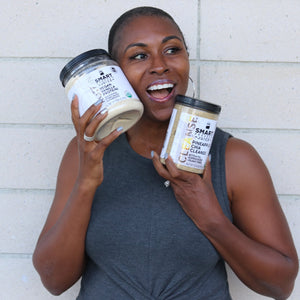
{"x": 158, "y": 65}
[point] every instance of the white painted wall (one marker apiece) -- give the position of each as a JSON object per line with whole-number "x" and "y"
{"x": 244, "y": 56}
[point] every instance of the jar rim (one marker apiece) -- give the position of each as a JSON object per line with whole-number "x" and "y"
{"x": 79, "y": 59}
{"x": 196, "y": 103}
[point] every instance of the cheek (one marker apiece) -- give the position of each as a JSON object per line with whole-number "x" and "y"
{"x": 186, "y": 67}
{"x": 132, "y": 75}
{"x": 182, "y": 67}
{"x": 184, "y": 72}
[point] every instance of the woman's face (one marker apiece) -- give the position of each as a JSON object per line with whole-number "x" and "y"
{"x": 153, "y": 56}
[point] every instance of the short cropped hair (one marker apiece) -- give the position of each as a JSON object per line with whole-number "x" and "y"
{"x": 128, "y": 16}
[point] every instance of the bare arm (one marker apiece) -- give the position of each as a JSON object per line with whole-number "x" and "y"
{"x": 265, "y": 256}
{"x": 59, "y": 256}
{"x": 258, "y": 246}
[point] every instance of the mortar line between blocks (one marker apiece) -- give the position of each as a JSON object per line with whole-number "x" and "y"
{"x": 6, "y": 255}
{"x": 198, "y": 63}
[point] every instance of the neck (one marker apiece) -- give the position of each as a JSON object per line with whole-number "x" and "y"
{"x": 147, "y": 136}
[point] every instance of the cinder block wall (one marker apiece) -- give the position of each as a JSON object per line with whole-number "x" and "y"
{"x": 244, "y": 56}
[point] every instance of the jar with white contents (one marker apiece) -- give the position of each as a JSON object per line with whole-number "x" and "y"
{"x": 190, "y": 133}
{"x": 94, "y": 77}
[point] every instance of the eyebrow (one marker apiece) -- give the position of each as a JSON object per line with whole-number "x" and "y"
{"x": 171, "y": 37}
{"x": 135, "y": 45}
{"x": 143, "y": 45}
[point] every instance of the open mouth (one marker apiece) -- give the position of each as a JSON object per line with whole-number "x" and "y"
{"x": 160, "y": 92}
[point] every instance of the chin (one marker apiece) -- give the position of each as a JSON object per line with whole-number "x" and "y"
{"x": 162, "y": 116}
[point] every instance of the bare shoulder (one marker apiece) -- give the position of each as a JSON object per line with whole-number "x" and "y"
{"x": 254, "y": 202}
{"x": 238, "y": 150}
{"x": 245, "y": 168}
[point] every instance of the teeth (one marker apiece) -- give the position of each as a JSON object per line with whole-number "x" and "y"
{"x": 160, "y": 86}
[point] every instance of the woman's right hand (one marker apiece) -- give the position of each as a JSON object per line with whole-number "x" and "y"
{"x": 59, "y": 256}
{"x": 90, "y": 152}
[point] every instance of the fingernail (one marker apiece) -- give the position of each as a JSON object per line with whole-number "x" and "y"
{"x": 73, "y": 97}
{"x": 166, "y": 156}
{"x": 103, "y": 111}
{"x": 98, "y": 102}
{"x": 152, "y": 154}
{"x": 209, "y": 157}
{"x": 119, "y": 129}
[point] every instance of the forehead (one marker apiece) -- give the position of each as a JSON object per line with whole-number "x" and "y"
{"x": 145, "y": 27}
{"x": 143, "y": 20}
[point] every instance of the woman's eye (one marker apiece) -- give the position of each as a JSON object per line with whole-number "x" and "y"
{"x": 173, "y": 50}
{"x": 139, "y": 56}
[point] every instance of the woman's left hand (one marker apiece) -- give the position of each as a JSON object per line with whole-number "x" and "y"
{"x": 196, "y": 195}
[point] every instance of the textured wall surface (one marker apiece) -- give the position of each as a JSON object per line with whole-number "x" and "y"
{"x": 244, "y": 56}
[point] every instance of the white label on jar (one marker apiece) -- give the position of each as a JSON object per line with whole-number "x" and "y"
{"x": 167, "y": 138}
{"x": 192, "y": 141}
{"x": 107, "y": 84}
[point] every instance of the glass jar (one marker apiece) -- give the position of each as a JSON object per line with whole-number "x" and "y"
{"x": 94, "y": 77}
{"x": 190, "y": 133}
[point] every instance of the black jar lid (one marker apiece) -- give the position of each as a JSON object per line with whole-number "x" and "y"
{"x": 79, "y": 59}
{"x": 195, "y": 103}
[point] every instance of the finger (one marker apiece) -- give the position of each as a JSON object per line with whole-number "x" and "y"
{"x": 90, "y": 113}
{"x": 75, "y": 112}
{"x": 86, "y": 118}
{"x": 105, "y": 142}
{"x": 172, "y": 168}
{"x": 159, "y": 167}
{"x": 207, "y": 170}
{"x": 94, "y": 123}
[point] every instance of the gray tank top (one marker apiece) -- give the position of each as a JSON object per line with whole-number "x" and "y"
{"x": 140, "y": 244}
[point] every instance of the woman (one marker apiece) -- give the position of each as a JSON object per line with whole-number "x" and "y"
{"x": 113, "y": 221}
